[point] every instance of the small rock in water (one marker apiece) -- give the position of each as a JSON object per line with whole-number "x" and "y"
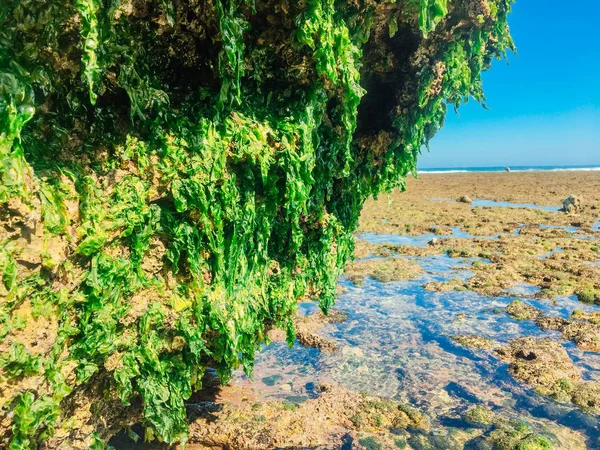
{"x": 473, "y": 341}
{"x": 464, "y": 199}
{"x": 354, "y": 352}
{"x": 480, "y": 417}
{"x": 363, "y": 369}
{"x": 432, "y": 241}
{"x": 572, "y": 204}
{"x": 539, "y": 362}
{"x": 521, "y": 311}
{"x": 324, "y": 387}
{"x": 309, "y": 339}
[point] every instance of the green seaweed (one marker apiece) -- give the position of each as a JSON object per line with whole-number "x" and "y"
{"x": 202, "y": 166}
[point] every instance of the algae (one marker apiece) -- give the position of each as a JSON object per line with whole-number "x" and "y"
{"x": 384, "y": 271}
{"x": 176, "y": 175}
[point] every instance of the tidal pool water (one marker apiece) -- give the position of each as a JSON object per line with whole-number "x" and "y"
{"x": 397, "y": 239}
{"x": 421, "y": 240}
{"x": 490, "y": 203}
{"x": 397, "y": 344}
{"x": 560, "y": 227}
{"x": 483, "y": 202}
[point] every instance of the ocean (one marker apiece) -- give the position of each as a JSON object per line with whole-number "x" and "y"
{"x": 512, "y": 169}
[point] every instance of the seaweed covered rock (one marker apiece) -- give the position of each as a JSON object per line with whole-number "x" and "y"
{"x": 474, "y": 341}
{"x": 384, "y": 271}
{"x": 538, "y": 362}
{"x": 521, "y": 311}
{"x": 335, "y": 415}
{"x": 571, "y": 204}
{"x": 176, "y": 174}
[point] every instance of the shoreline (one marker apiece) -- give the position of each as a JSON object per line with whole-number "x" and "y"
{"x": 516, "y": 169}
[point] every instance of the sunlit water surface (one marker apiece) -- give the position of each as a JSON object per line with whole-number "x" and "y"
{"x": 397, "y": 344}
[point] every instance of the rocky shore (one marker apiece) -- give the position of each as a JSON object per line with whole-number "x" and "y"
{"x": 510, "y": 244}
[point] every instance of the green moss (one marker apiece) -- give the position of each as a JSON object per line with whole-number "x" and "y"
{"x": 588, "y": 295}
{"x": 272, "y": 380}
{"x": 260, "y": 419}
{"x": 400, "y": 443}
{"x": 369, "y": 443}
{"x": 290, "y": 406}
{"x": 562, "y": 390}
{"x": 480, "y": 416}
{"x": 377, "y": 420}
{"x": 534, "y": 442}
{"x": 517, "y": 435}
{"x": 358, "y": 420}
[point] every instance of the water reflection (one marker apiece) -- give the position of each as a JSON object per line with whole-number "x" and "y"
{"x": 482, "y": 202}
{"x": 397, "y": 343}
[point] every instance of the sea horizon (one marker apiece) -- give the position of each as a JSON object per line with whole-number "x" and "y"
{"x": 512, "y": 169}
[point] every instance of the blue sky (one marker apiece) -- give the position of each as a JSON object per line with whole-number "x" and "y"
{"x": 545, "y": 105}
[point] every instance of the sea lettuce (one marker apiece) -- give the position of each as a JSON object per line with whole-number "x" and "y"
{"x": 177, "y": 175}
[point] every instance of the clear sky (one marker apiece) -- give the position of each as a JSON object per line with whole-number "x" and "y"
{"x": 545, "y": 105}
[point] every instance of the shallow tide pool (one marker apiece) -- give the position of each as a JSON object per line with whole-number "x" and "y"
{"x": 490, "y": 203}
{"x": 397, "y": 344}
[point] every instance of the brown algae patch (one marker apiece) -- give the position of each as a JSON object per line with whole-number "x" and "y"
{"x": 556, "y": 266}
{"x": 586, "y": 395}
{"x": 521, "y": 311}
{"x": 336, "y": 414}
{"x": 385, "y": 271}
{"x": 593, "y": 317}
{"x": 545, "y": 365}
{"x": 586, "y": 335}
{"x": 474, "y": 341}
{"x": 445, "y": 286}
{"x": 585, "y": 332}
{"x": 538, "y": 362}
{"x": 362, "y": 249}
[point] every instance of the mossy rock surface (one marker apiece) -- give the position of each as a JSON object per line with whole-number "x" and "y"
{"x": 174, "y": 176}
